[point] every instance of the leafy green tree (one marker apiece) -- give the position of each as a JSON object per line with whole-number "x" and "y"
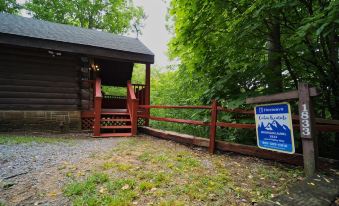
{"x": 246, "y": 48}
{"x": 115, "y": 16}
{"x": 9, "y": 6}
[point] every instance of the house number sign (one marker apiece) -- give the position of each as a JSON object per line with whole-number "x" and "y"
{"x": 305, "y": 121}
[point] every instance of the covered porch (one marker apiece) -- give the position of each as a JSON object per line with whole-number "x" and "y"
{"x": 108, "y": 114}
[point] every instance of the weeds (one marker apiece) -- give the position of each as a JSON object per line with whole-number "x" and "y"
{"x": 163, "y": 173}
{"x": 30, "y": 139}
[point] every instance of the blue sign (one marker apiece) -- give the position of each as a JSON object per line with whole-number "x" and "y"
{"x": 274, "y": 127}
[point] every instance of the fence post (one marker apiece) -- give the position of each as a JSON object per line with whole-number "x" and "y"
{"x": 213, "y": 125}
{"x": 307, "y": 130}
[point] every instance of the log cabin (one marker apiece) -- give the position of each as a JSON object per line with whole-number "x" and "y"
{"x": 51, "y": 76}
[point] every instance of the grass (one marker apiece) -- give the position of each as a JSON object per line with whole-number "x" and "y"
{"x": 30, "y": 139}
{"x": 145, "y": 171}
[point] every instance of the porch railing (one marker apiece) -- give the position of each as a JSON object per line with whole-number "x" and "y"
{"x": 114, "y": 102}
{"x": 132, "y": 106}
{"x": 140, "y": 93}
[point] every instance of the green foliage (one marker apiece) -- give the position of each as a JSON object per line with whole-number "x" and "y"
{"x": 115, "y": 16}
{"x": 144, "y": 186}
{"x": 30, "y": 139}
{"x": 166, "y": 173}
{"x": 115, "y": 91}
{"x": 9, "y": 6}
{"x": 231, "y": 50}
{"x": 99, "y": 189}
{"x": 225, "y": 45}
{"x": 139, "y": 74}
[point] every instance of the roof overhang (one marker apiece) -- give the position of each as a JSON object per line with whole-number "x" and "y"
{"x": 15, "y": 40}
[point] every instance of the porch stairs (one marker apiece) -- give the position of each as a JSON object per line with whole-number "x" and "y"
{"x": 115, "y": 122}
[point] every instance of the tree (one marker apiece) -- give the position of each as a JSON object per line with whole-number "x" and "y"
{"x": 115, "y": 16}
{"x": 248, "y": 48}
{"x": 9, "y": 6}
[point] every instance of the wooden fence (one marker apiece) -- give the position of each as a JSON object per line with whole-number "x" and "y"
{"x": 321, "y": 125}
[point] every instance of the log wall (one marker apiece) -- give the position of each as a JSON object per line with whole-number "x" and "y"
{"x": 37, "y": 80}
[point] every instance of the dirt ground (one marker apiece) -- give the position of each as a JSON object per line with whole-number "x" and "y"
{"x": 157, "y": 172}
{"x": 34, "y": 173}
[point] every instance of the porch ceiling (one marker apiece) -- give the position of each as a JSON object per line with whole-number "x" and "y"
{"x": 114, "y": 73}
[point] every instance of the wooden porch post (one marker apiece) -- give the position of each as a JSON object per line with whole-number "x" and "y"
{"x": 148, "y": 91}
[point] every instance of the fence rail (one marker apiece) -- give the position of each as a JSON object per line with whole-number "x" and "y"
{"x": 321, "y": 125}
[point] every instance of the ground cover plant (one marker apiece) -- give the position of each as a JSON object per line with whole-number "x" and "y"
{"x": 13, "y": 139}
{"x": 147, "y": 171}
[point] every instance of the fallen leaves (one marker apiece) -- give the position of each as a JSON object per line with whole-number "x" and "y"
{"x": 125, "y": 187}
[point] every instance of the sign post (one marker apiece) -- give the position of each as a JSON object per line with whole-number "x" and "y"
{"x": 307, "y": 124}
{"x": 274, "y": 127}
{"x": 307, "y": 133}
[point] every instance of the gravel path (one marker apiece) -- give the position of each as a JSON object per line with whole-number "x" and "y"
{"x": 24, "y": 165}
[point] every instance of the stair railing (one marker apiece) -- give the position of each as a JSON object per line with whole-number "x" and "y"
{"x": 140, "y": 90}
{"x": 132, "y": 106}
{"x": 97, "y": 107}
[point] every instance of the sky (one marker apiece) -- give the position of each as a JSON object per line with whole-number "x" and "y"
{"x": 154, "y": 34}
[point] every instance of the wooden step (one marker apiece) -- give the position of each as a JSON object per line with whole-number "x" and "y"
{"x": 116, "y": 127}
{"x": 115, "y": 120}
{"x": 115, "y": 113}
{"x": 114, "y": 110}
{"x": 115, "y": 135}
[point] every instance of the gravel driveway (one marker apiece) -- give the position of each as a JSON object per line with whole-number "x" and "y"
{"x": 26, "y": 168}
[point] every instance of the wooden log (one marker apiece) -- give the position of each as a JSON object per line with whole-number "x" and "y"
{"x": 285, "y": 96}
{"x": 295, "y": 159}
{"x": 236, "y": 125}
{"x": 84, "y": 93}
{"x": 327, "y": 121}
{"x": 9, "y": 58}
{"x": 39, "y": 89}
{"x": 38, "y": 107}
{"x": 39, "y": 101}
{"x": 12, "y": 94}
{"x": 238, "y": 111}
{"x": 86, "y": 105}
{"x": 327, "y": 128}
{"x": 4, "y": 81}
{"x": 39, "y": 69}
{"x": 47, "y": 77}
{"x": 185, "y": 121}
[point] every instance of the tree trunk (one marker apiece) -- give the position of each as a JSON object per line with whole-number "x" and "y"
{"x": 273, "y": 71}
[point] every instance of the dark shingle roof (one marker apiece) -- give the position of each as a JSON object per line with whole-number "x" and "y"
{"x": 29, "y": 27}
